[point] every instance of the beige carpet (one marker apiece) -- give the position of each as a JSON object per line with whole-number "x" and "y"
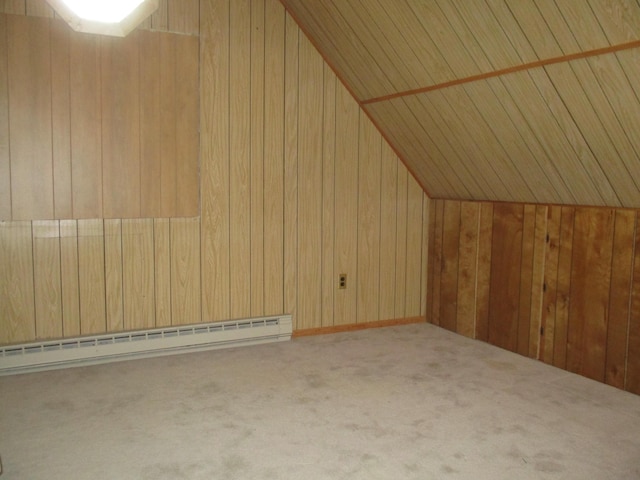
{"x": 409, "y": 402}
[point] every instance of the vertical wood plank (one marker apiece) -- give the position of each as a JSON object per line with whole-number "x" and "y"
{"x": 435, "y": 260}
{"x": 61, "y": 120}
{"x": 169, "y": 153}
{"x": 632, "y": 374}
{"x": 274, "y": 158}
{"x": 563, "y": 287}
{"x": 526, "y": 279}
{"x": 214, "y": 155}
{"x": 450, "y": 259}
{"x": 309, "y": 287}
{"x": 329, "y": 277}
{"x": 369, "y": 177}
{"x": 388, "y": 232}
{"x": 240, "y": 160}
{"x": 16, "y": 283}
{"x": 291, "y": 169}
{"x": 346, "y": 215}
{"x": 620, "y": 297}
{"x": 29, "y": 67}
{"x": 15, "y": 7}
{"x": 547, "y": 325}
{"x": 504, "y": 297}
{"x": 160, "y": 18}
{"x": 467, "y": 269}
{"x": 39, "y": 8}
{"x": 86, "y": 135}
{"x": 185, "y": 274}
{"x": 5, "y": 169}
{"x": 120, "y": 126}
{"x": 113, "y": 275}
{"x": 183, "y": 16}
{"x": 162, "y": 271}
{"x": 485, "y": 241}
{"x": 414, "y": 248}
{"x": 424, "y": 293}
{"x": 539, "y": 256}
{"x": 257, "y": 155}
{"x": 91, "y": 276}
{"x": 138, "y": 274}
{"x": 401, "y": 242}
{"x": 69, "y": 278}
{"x": 150, "y": 126}
{"x": 590, "y": 285}
{"x": 186, "y": 125}
{"x": 46, "y": 279}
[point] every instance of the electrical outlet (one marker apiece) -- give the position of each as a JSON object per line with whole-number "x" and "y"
{"x": 342, "y": 280}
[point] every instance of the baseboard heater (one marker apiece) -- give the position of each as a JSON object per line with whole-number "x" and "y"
{"x": 91, "y": 350}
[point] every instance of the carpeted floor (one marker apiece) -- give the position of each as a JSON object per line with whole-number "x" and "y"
{"x": 408, "y": 402}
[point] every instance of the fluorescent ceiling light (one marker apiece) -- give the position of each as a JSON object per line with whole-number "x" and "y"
{"x": 111, "y": 11}
{"x": 104, "y": 17}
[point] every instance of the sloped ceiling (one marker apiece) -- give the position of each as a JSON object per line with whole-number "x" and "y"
{"x": 508, "y": 100}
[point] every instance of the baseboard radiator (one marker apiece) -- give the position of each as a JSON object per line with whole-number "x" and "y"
{"x": 90, "y": 350}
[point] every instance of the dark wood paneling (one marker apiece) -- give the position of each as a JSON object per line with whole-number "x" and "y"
{"x": 590, "y": 279}
{"x": 562, "y": 283}
{"x": 504, "y": 297}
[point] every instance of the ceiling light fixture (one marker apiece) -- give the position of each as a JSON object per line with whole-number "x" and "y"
{"x": 105, "y": 17}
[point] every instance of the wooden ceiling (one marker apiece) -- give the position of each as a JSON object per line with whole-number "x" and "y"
{"x": 507, "y": 100}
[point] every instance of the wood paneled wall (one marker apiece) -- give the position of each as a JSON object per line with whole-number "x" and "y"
{"x": 296, "y": 187}
{"x": 177, "y": 16}
{"x": 96, "y": 126}
{"x": 556, "y": 283}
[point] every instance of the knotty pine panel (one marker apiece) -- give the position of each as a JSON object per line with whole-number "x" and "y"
{"x": 562, "y": 283}
{"x": 315, "y": 176}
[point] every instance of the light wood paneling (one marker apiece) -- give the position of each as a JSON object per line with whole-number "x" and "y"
{"x": 162, "y": 271}
{"x": 138, "y": 257}
{"x": 120, "y": 71}
{"x": 490, "y": 100}
{"x": 185, "y": 275}
{"x": 5, "y": 170}
{"x": 214, "y": 157}
{"x": 74, "y": 146}
{"x": 320, "y": 193}
{"x": 61, "y": 120}
{"x": 16, "y": 284}
{"x": 29, "y": 68}
{"x": 369, "y": 225}
{"x": 114, "y": 294}
{"x": 309, "y": 171}
{"x": 240, "y": 159}
{"x": 274, "y": 88}
{"x": 257, "y": 178}
{"x": 563, "y": 283}
{"x": 291, "y": 110}
{"x": 69, "y": 278}
{"x": 86, "y": 135}
{"x": 91, "y": 276}
{"x": 47, "y": 280}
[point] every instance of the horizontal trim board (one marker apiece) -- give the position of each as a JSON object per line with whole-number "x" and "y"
{"x": 95, "y": 349}
{"x": 357, "y": 326}
{"x": 505, "y": 71}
